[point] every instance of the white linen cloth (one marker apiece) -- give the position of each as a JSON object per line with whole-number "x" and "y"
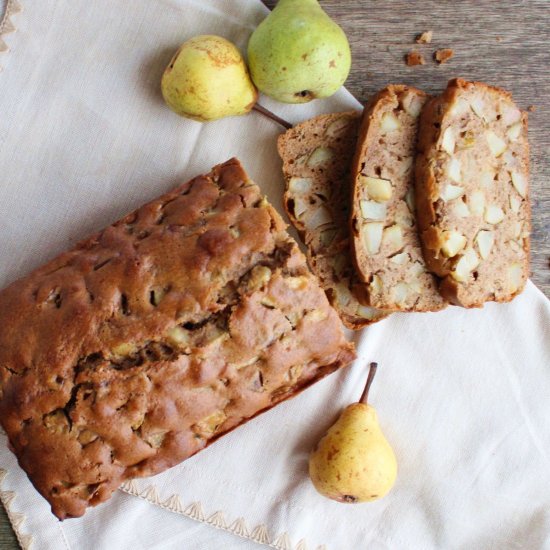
{"x": 463, "y": 396}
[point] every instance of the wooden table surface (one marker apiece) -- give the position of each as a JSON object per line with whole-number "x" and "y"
{"x": 502, "y": 42}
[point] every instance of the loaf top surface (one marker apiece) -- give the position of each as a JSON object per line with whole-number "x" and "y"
{"x": 385, "y": 242}
{"x": 150, "y": 339}
{"x": 473, "y": 182}
{"x": 317, "y": 156}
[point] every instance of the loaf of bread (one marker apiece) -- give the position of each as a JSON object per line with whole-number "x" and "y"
{"x": 317, "y": 158}
{"x": 154, "y": 337}
{"x": 472, "y": 193}
{"x": 385, "y": 239}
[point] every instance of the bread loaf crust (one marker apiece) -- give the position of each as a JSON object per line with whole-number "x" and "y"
{"x": 157, "y": 335}
{"x": 472, "y": 177}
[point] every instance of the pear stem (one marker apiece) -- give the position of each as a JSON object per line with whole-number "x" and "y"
{"x": 272, "y": 116}
{"x": 370, "y": 378}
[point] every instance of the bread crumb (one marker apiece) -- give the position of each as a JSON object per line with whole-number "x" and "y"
{"x": 424, "y": 38}
{"x": 531, "y": 108}
{"x": 414, "y": 58}
{"x": 442, "y": 56}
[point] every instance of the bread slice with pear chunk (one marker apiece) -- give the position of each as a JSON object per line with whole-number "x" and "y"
{"x": 384, "y": 235}
{"x": 472, "y": 175}
{"x": 317, "y": 155}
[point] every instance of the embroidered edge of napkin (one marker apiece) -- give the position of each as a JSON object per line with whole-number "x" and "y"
{"x": 194, "y": 511}
{"x": 16, "y": 519}
{"x": 6, "y": 24}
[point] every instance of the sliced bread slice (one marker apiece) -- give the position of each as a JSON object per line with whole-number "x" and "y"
{"x": 316, "y": 158}
{"x": 385, "y": 241}
{"x": 472, "y": 193}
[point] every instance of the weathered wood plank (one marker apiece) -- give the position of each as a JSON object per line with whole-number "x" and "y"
{"x": 504, "y": 43}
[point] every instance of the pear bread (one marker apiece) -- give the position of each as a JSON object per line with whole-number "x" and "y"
{"x": 157, "y": 335}
{"x": 472, "y": 175}
{"x": 316, "y": 158}
{"x": 385, "y": 242}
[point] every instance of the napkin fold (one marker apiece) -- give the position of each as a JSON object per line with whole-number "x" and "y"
{"x": 462, "y": 395}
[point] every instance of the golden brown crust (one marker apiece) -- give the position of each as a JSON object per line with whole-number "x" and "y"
{"x": 470, "y": 112}
{"x": 443, "y": 55}
{"x": 316, "y": 158}
{"x": 414, "y": 58}
{"x": 385, "y": 243}
{"x": 152, "y": 338}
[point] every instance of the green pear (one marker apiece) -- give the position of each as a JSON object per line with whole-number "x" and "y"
{"x": 298, "y": 53}
{"x": 207, "y": 79}
{"x": 354, "y": 462}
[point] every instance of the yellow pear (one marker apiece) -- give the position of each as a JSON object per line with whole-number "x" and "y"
{"x": 207, "y": 79}
{"x": 354, "y": 462}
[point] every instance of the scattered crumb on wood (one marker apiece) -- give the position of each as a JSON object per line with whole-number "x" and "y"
{"x": 442, "y": 56}
{"x": 424, "y": 38}
{"x": 414, "y": 58}
{"x": 499, "y": 38}
{"x": 531, "y": 108}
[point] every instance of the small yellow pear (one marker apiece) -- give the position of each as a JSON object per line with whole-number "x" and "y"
{"x": 207, "y": 79}
{"x": 354, "y": 462}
